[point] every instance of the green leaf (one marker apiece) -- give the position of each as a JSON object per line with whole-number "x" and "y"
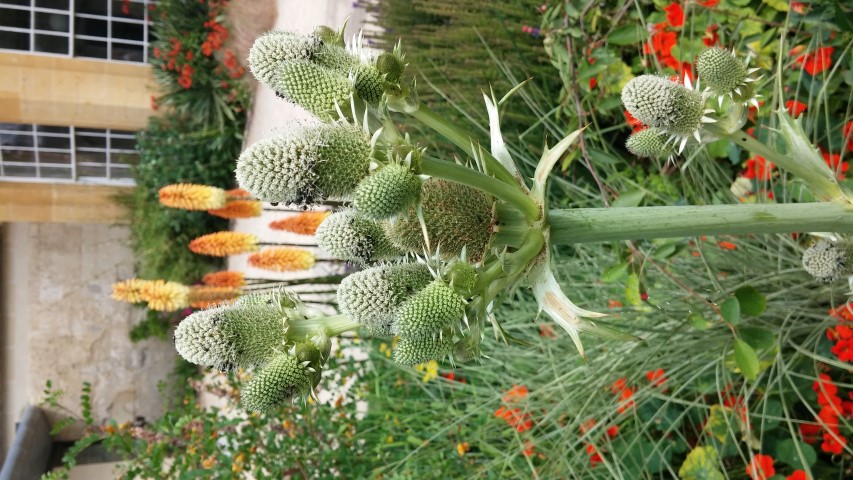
{"x": 787, "y": 452}
{"x": 586, "y": 71}
{"x": 699, "y": 322}
{"x": 730, "y": 310}
{"x": 751, "y": 301}
{"x": 746, "y": 359}
{"x": 614, "y": 273}
{"x": 780, "y": 5}
{"x": 644, "y": 456}
{"x": 61, "y": 425}
{"x": 702, "y": 463}
{"x": 632, "y": 290}
{"x": 718, "y": 424}
{"x": 757, "y": 337}
{"x": 627, "y": 35}
{"x": 631, "y": 198}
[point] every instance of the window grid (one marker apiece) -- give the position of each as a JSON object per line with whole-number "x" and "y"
{"x": 43, "y": 170}
{"x": 71, "y": 36}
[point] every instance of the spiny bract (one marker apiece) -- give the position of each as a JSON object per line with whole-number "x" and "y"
{"x": 373, "y": 296}
{"x": 827, "y": 260}
{"x": 648, "y": 143}
{"x": 387, "y": 192}
{"x": 283, "y": 378}
{"x": 272, "y": 49}
{"x": 239, "y": 335}
{"x": 661, "y": 103}
{"x": 415, "y": 350}
{"x": 308, "y": 164}
{"x": 456, "y": 217}
{"x": 351, "y": 236}
{"x": 435, "y": 308}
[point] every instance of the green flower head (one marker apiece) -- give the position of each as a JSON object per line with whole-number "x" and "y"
{"x": 648, "y": 143}
{"x": 414, "y": 350}
{"x": 720, "y": 70}
{"x": 283, "y": 378}
{"x": 827, "y": 260}
{"x": 351, "y": 236}
{"x": 434, "y": 309}
{"x": 462, "y": 277}
{"x": 373, "y": 296}
{"x": 273, "y": 49}
{"x": 391, "y": 66}
{"x": 387, "y": 192}
{"x": 306, "y": 165}
{"x": 240, "y": 335}
{"x": 313, "y": 87}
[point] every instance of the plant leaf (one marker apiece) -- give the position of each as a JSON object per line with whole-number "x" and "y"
{"x": 751, "y": 301}
{"x": 746, "y": 359}
{"x": 730, "y": 310}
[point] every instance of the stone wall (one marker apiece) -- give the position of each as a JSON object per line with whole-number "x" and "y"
{"x": 60, "y": 323}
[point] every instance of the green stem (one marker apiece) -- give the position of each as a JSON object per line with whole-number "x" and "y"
{"x": 822, "y": 184}
{"x": 609, "y": 224}
{"x": 462, "y": 140}
{"x": 510, "y": 194}
{"x": 331, "y": 326}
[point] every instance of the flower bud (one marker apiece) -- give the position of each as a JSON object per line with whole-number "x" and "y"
{"x": 648, "y": 143}
{"x": 313, "y": 87}
{"x": 350, "y": 236}
{"x": 827, "y": 260}
{"x": 658, "y": 102}
{"x": 244, "y": 334}
{"x": 367, "y": 79}
{"x": 272, "y": 49}
{"x": 432, "y": 310}
{"x": 391, "y": 66}
{"x": 310, "y": 164}
{"x": 283, "y": 378}
{"x": 720, "y": 70}
{"x": 329, "y": 35}
{"x": 387, "y": 192}
{"x": 415, "y": 350}
{"x": 373, "y": 296}
{"x": 462, "y": 277}
{"x": 456, "y": 217}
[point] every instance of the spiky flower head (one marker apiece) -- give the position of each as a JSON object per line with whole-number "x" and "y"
{"x": 720, "y": 70}
{"x": 387, "y": 192}
{"x": 244, "y": 334}
{"x": 391, "y": 66}
{"x": 431, "y": 311}
{"x": 414, "y": 350}
{"x": 283, "y": 259}
{"x": 222, "y": 244}
{"x": 461, "y": 276}
{"x": 129, "y": 290}
{"x": 238, "y": 209}
{"x": 272, "y": 49}
{"x": 202, "y": 296}
{"x": 304, "y": 223}
{"x": 283, "y": 378}
{"x": 190, "y": 196}
{"x": 829, "y": 260}
{"x": 224, "y": 278}
{"x": 456, "y": 216}
{"x": 664, "y": 104}
{"x": 372, "y": 296}
{"x": 164, "y": 296}
{"x": 307, "y": 164}
{"x": 648, "y": 143}
{"x": 313, "y": 87}
{"x": 351, "y": 236}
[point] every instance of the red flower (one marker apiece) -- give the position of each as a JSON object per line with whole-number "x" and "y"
{"x": 711, "y": 36}
{"x": 626, "y": 399}
{"x": 587, "y": 426}
{"x": 797, "y": 475}
{"x": 661, "y": 42}
{"x": 799, "y": 7}
{"x": 595, "y": 459}
{"x": 185, "y": 82}
{"x": 517, "y": 392}
{"x": 817, "y": 61}
{"x": 835, "y": 163}
{"x": 761, "y": 467}
{"x": 708, "y": 3}
{"x": 795, "y": 108}
{"x": 656, "y": 377}
{"x": 635, "y": 124}
{"x": 833, "y": 443}
{"x": 847, "y": 131}
{"x": 727, "y": 245}
{"x": 619, "y": 385}
{"x": 613, "y": 431}
{"x": 206, "y": 48}
{"x": 546, "y": 331}
{"x": 809, "y": 432}
{"x": 674, "y": 14}
{"x": 759, "y": 168}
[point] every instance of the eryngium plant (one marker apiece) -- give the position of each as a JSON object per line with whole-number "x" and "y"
{"x": 470, "y": 231}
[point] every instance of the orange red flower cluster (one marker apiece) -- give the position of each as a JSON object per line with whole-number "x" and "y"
{"x": 761, "y": 468}
{"x": 664, "y": 37}
{"x": 814, "y": 62}
{"x": 593, "y": 451}
{"x": 832, "y": 408}
{"x": 514, "y": 416}
{"x": 216, "y": 36}
{"x": 625, "y": 394}
{"x": 758, "y": 168}
{"x": 842, "y": 334}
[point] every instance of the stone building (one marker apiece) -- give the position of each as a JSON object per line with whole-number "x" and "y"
{"x": 74, "y": 88}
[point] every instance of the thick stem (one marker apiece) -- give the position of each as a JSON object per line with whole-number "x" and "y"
{"x": 510, "y": 194}
{"x": 330, "y": 326}
{"x": 462, "y": 140}
{"x": 822, "y": 184}
{"x": 608, "y": 224}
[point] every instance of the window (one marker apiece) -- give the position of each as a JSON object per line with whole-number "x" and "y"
{"x": 106, "y": 29}
{"x": 86, "y": 155}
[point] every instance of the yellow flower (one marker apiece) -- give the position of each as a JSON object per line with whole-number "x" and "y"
{"x": 209, "y": 462}
{"x": 462, "y": 448}
{"x": 282, "y": 259}
{"x": 221, "y": 244}
{"x": 430, "y": 370}
{"x": 165, "y": 296}
{"x": 129, "y": 290}
{"x": 189, "y": 196}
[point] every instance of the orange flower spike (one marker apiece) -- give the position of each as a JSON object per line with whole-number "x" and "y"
{"x": 283, "y": 259}
{"x": 189, "y": 196}
{"x": 304, "y": 223}
{"x": 129, "y": 290}
{"x": 238, "y": 209}
{"x": 238, "y": 193}
{"x": 165, "y": 296}
{"x": 225, "y": 278}
{"x": 221, "y": 244}
{"x": 208, "y": 294}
